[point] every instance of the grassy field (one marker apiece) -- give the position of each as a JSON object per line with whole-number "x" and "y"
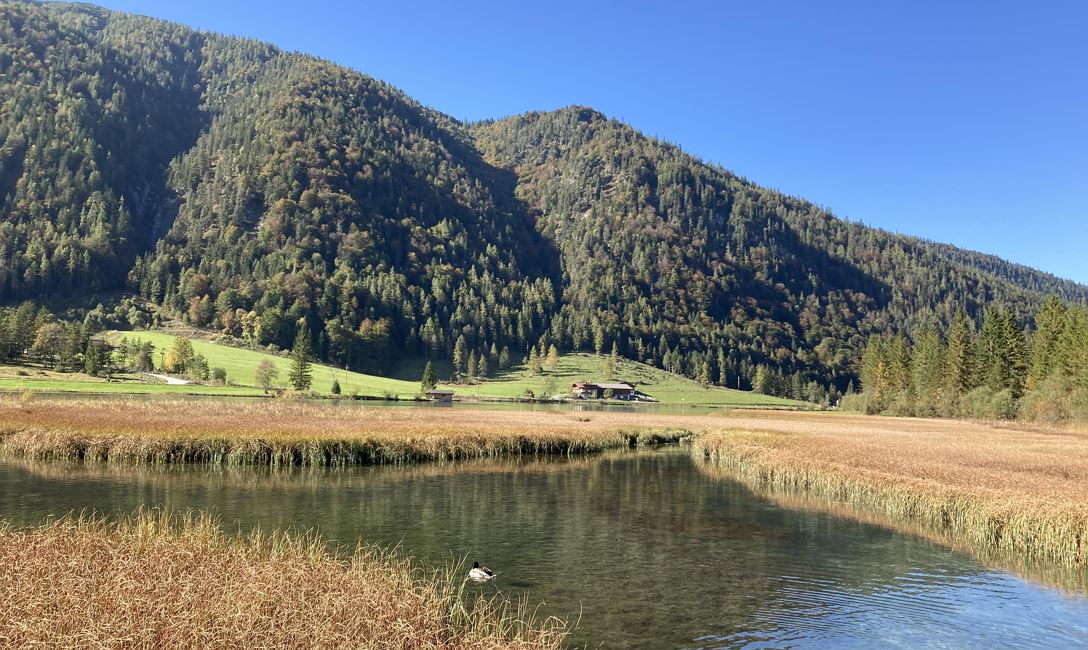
{"x": 666, "y": 387}
{"x": 154, "y": 581}
{"x": 241, "y": 364}
{"x": 1003, "y": 492}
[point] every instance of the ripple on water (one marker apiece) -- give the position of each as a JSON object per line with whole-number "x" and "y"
{"x": 919, "y": 609}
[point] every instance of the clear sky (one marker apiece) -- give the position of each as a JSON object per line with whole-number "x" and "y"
{"x": 964, "y": 122}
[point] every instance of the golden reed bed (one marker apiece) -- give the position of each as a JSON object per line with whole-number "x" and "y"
{"x": 159, "y": 582}
{"x": 293, "y": 433}
{"x": 1003, "y": 491}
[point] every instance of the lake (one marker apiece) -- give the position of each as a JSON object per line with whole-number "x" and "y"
{"x": 640, "y": 547}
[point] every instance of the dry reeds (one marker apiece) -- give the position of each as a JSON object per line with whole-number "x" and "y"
{"x": 160, "y": 581}
{"x": 1005, "y": 493}
{"x": 278, "y": 433}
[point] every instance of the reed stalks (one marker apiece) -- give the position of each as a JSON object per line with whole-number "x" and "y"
{"x": 162, "y": 580}
{"x": 284, "y": 434}
{"x": 1002, "y": 493}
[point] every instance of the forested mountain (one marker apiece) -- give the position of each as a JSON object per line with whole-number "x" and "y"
{"x": 255, "y": 192}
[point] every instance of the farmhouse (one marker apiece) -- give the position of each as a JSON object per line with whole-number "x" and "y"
{"x": 440, "y": 395}
{"x": 599, "y": 390}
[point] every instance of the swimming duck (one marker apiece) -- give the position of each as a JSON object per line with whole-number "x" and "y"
{"x": 480, "y": 573}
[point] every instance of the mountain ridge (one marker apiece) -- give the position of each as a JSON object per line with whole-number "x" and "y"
{"x": 256, "y": 191}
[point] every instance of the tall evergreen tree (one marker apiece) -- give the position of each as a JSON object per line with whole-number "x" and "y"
{"x": 1049, "y": 326}
{"x": 928, "y": 365}
{"x": 429, "y": 379}
{"x": 301, "y": 374}
{"x": 460, "y": 358}
{"x": 959, "y": 372}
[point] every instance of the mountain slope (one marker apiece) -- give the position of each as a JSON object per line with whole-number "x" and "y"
{"x": 677, "y": 254}
{"x": 254, "y": 192}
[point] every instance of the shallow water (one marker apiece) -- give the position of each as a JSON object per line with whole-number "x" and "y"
{"x": 641, "y": 547}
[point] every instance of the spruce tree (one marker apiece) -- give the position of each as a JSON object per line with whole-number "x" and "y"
{"x": 1014, "y": 355}
{"x": 430, "y": 378}
{"x": 301, "y": 375}
{"x": 958, "y": 373}
{"x": 460, "y": 349}
{"x": 471, "y": 365}
{"x": 927, "y": 365}
{"x": 534, "y": 362}
{"x": 898, "y": 364}
{"x": 1049, "y": 327}
{"x": 553, "y": 358}
{"x": 92, "y": 360}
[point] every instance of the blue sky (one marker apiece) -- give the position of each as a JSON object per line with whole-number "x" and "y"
{"x": 964, "y": 122}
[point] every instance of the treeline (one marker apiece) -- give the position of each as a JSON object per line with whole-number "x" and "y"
{"x": 269, "y": 195}
{"x": 34, "y": 337}
{"x": 998, "y": 372}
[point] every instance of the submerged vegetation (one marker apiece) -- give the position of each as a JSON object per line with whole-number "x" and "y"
{"x": 155, "y": 580}
{"x": 1005, "y": 493}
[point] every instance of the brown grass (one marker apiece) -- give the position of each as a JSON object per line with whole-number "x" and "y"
{"x": 154, "y": 581}
{"x": 289, "y": 433}
{"x": 1004, "y": 492}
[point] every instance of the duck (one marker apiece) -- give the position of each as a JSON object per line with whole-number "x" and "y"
{"x": 480, "y": 573}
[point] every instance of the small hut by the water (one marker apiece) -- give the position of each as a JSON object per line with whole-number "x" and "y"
{"x": 440, "y": 395}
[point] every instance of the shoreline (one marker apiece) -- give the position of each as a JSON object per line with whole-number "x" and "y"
{"x": 160, "y": 580}
{"x": 1013, "y": 495}
{"x": 992, "y": 516}
{"x": 303, "y": 434}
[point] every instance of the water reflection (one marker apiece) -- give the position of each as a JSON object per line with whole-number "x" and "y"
{"x": 641, "y": 546}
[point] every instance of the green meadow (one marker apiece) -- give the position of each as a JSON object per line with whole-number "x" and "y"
{"x": 513, "y": 383}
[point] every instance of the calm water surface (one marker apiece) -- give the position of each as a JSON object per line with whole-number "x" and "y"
{"x": 643, "y": 548}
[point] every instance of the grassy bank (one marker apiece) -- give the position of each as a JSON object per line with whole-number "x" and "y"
{"x": 153, "y": 581}
{"x": 1005, "y": 493}
{"x": 292, "y": 433}
{"x": 241, "y": 366}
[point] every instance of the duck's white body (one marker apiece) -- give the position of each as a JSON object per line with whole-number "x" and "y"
{"x": 480, "y": 573}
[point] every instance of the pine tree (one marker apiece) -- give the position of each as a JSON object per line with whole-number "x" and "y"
{"x": 553, "y": 358}
{"x": 898, "y": 356}
{"x": 483, "y": 370}
{"x": 429, "y": 379}
{"x": 988, "y": 366}
{"x": 1014, "y": 355}
{"x": 301, "y": 375}
{"x": 471, "y": 365}
{"x": 927, "y": 364}
{"x": 876, "y": 382}
{"x": 92, "y": 360}
{"x": 534, "y": 362}
{"x": 1073, "y": 348}
{"x": 958, "y": 372}
{"x": 760, "y": 382}
{"x": 1049, "y": 327}
{"x": 612, "y": 368}
{"x": 704, "y": 374}
{"x": 460, "y": 348}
